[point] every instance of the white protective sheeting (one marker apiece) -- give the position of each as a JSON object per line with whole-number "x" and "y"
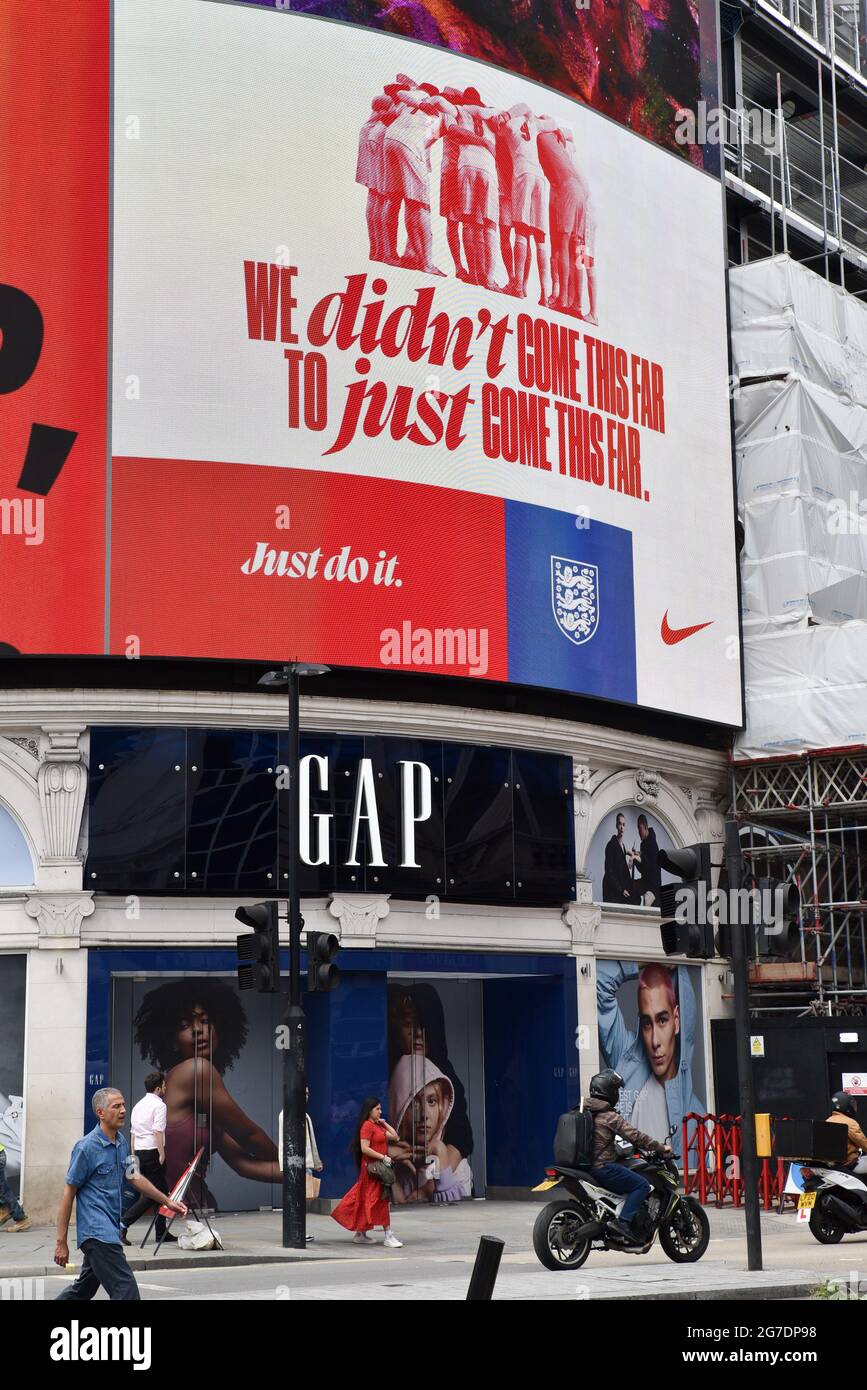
{"x": 841, "y": 603}
{"x": 805, "y": 688}
{"x": 799, "y": 350}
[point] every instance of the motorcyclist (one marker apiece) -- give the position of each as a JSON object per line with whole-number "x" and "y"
{"x": 844, "y": 1113}
{"x": 610, "y": 1172}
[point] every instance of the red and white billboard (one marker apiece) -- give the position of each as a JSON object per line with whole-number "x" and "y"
{"x": 413, "y": 364}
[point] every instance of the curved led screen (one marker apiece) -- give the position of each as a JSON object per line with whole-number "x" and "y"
{"x": 412, "y": 364}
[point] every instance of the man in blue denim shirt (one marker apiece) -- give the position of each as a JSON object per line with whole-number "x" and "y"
{"x": 99, "y": 1165}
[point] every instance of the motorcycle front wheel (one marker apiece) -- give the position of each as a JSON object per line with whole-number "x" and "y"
{"x": 553, "y": 1242}
{"x": 826, "y": 1230}
{"x": 686, "y": 1234}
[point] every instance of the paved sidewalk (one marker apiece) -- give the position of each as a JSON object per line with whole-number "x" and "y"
{"x": 794, "y": 1262}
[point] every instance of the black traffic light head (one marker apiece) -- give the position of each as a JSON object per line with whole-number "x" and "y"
{"x": 687, "y": 928}
{"x": 259, "y": 950}
{"x": 321, "y": 950}
{"x": 693, "y": 939}
{"x": 691, "y": 862}
{"x": 723, "y": 938}
{"x": 780, "y": 908}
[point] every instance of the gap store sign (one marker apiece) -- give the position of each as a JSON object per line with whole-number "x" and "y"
{"x": 203, "y": 811}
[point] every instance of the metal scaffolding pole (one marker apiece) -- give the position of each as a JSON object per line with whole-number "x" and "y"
{"x": 829, "y": 4}
{"x": 824, "y": 795}
{"x": 781, "y": 150}
{"x": 822, "y": 145}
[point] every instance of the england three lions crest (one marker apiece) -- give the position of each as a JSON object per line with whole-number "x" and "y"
{"x": 575, "y": 598}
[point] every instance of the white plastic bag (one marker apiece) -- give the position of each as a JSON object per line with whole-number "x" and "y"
{"x": 197, "y": 1236}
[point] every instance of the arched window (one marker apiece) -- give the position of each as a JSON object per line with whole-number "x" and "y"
{"x": 16, "y": 865}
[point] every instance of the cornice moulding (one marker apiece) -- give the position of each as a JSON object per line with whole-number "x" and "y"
{"x": 595, "y": 743}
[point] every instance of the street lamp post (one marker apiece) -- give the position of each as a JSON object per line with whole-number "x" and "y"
{"x": 749, "y": 1157}
{"x": 294, "y": 1034}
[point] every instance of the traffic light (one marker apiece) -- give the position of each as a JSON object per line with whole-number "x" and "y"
{"x": 780, "y": 931}
{"x": 723, "y": 939}
{"x": 768, "y": 913}
{"x": 686, "y": 928}
{"x": 321, "y": 950}
{"x": 259, "y": 950}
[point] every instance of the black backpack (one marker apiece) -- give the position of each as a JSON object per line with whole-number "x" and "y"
{"x": 573, "y": 1140}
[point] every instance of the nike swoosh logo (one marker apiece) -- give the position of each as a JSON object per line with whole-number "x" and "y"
{"x": 672, "y": 635}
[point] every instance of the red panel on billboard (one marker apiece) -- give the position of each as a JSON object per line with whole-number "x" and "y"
{"x": 306, "y": 564}
{"x": 54, "y": 173}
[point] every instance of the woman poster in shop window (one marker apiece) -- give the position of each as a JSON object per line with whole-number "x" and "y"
{"x": 193, "y": 1030}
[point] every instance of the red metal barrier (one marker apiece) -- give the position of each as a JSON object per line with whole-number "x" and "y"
{"x": 711, "y": 1149}
{"x": 694, "y": 1151}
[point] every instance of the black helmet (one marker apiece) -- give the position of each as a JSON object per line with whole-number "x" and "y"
{"x": 607, "y": 1085}
{"x": 841, "y": 1101}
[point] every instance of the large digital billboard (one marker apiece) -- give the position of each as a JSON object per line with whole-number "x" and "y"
{"x": 413, "y": 365}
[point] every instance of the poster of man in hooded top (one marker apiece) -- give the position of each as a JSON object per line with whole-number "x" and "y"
{"x": 650, "y": 1032}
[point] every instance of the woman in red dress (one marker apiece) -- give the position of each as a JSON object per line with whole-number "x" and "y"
{"x": 364, "y": 1205}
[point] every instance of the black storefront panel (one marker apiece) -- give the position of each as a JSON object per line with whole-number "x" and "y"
{"x": 804, "y": 1063}
{"x": 203, "y": 811}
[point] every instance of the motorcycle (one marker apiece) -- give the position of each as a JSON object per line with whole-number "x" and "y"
{"x": 837, "y": 1199}
{"x": 567, "y": 1230}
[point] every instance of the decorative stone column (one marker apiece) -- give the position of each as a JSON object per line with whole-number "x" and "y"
{"x": 358, "y": 915}
{"x": 582, "y": 776}
{"x": 709, "y": 816}
{"x": 55, "y": 1069}
{"x": 59, "y": 917}
{"x": 583, "y": 918}
{"x": 62, "y": 785}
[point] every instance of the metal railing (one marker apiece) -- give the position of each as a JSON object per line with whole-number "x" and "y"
{"x": 798, "y": 172}
{"x": 847, "y": 26}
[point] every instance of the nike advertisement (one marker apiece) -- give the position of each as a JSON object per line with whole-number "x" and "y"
{"x": 412, "y": 364}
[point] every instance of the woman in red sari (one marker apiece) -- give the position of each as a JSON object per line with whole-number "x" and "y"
{"x": 365, "y": 1205}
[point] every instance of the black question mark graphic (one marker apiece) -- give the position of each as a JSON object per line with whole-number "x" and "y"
{"x": 23, "y": 331}
{"x": 21, "y": 336}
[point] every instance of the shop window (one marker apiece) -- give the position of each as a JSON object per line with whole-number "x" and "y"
{"x": 16, "y": 865}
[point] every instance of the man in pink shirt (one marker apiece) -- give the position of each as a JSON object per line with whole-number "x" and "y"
{"x": 147, "y": 1127}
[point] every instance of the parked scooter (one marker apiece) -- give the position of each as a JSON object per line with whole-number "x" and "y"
{"x": 837, "y": 1199}
{"x": 567, "y": 1230}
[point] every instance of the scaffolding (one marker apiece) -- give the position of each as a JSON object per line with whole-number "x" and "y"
{"x": 807, "y": 816}
{"x": 794, "y": 136}
{"x": 837, "y": 27}
{"x": 801, "y": 176}
{"x": 789, "y": 151}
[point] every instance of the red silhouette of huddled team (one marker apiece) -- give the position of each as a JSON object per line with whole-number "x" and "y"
{"x": 507, "y": 172}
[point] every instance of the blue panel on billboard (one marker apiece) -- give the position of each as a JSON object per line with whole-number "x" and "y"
{"x": 571, "y": 607}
